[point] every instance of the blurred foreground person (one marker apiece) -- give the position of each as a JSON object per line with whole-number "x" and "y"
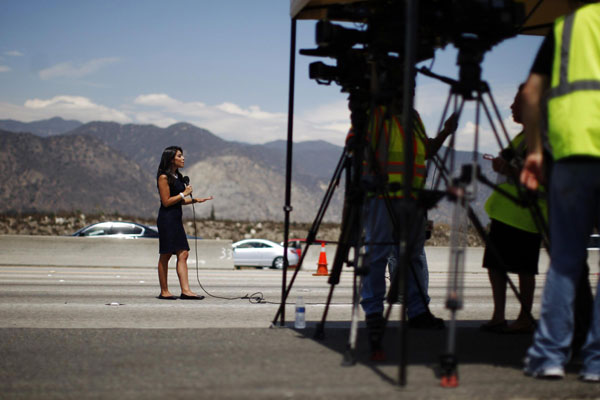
{"x": 568, "y": 64}
{"x": 172, "y": 238}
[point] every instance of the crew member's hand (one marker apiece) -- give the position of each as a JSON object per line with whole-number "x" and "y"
{"x": 531, "y": 175}
{"x": 451, "y": 124}
{"x": 188, "y": 190}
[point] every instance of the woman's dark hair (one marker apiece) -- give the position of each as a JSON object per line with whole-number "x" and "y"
{"x": 165, "y": 163}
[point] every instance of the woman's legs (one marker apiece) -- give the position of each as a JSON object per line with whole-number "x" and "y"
{"x": 163, "y": 272}
{"x": 182, "y": 272}
{"x": 526, "y": 289}
{"x": 498, "y": 283}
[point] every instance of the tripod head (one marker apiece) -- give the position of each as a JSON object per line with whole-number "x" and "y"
{"x": 470, "y": 56}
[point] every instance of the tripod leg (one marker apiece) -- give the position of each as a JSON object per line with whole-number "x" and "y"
{"x": 454, "y": 299}
{"x": 349, "y": 355}
{"x": 350, "y": 224}
{"x": 342, "y": 164}
{"x": 449, "y": 361}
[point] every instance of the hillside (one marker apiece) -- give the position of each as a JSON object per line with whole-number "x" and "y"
{"x": 313, "y": 161}
{"x": 66, "y": 173}
{"x": 114, "y": 166}
{"x": 247, "y": 181}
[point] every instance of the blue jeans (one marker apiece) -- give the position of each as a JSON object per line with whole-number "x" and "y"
{"x": 379, "y": 229}
{"x": 574, "y": 210}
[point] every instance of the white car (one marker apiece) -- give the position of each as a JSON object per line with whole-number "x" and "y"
{"x": 261, "y": 253}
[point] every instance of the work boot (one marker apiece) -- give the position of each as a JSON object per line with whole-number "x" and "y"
{"x": 426, "y": 320}
{"x": 375, "y": 329}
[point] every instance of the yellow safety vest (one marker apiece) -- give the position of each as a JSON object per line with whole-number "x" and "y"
{"x": 386, "y": 138}
{"x": 503, "y": 209}
{"x": 574, "y": 98}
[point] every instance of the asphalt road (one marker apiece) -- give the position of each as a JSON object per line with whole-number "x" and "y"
{"x": 60, "y": 337}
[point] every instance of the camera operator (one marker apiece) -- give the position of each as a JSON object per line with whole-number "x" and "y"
{"x": 385, "y": 137}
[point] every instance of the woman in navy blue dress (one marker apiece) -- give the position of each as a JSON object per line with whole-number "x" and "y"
{"x": 172, "y": 238}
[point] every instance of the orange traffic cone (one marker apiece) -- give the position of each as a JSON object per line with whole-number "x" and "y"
{"x": 322, "y": 264}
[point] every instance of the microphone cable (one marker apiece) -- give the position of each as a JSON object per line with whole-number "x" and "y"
{"x": 254, "y": 298}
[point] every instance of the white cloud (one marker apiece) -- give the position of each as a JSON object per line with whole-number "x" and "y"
{"x": 231, "y": 121}
{"x": 227, "y": 120}
{"x": 4, "y": 68}
{"x": 68, "y": 70}
{"x": 328, "y": 122}
{"x": 326, "y": 113}
{"x": 157, "y": 100}
{"x": 68, "y": 107}
{"x": 13, "y": 53}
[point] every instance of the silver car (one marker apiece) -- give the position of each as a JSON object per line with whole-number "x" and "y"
{"x": 261, "y": 253}
{"x": 118, "y": 229}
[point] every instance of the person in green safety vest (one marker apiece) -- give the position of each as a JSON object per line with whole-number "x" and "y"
{"x": 514, "y": 239}
{"x": 567, "y": 72}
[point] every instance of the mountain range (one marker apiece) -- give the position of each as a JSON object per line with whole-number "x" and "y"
{"x": 57, "y": 165}
{"x": 43, "y": 128}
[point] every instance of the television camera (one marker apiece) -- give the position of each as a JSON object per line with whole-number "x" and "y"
{"x": 473, "y": 26}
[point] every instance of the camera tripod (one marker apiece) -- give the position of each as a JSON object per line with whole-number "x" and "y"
{"x": 470, "y": 87}
{"x": 351, "y": 237}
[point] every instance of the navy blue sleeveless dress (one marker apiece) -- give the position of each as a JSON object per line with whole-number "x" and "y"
{"x": 171, "y": 235}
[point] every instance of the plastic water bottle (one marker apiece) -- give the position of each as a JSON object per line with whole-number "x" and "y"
{"x": 300, "y": 322}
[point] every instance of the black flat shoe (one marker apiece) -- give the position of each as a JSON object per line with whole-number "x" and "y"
{"x": 160, "y": 296}
{"x": 186, "y": 297}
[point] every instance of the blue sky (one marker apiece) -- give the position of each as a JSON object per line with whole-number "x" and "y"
{"x": 221, "y": 65}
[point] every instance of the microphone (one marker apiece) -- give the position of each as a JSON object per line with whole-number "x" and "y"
{"x": 186, "y": 180}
